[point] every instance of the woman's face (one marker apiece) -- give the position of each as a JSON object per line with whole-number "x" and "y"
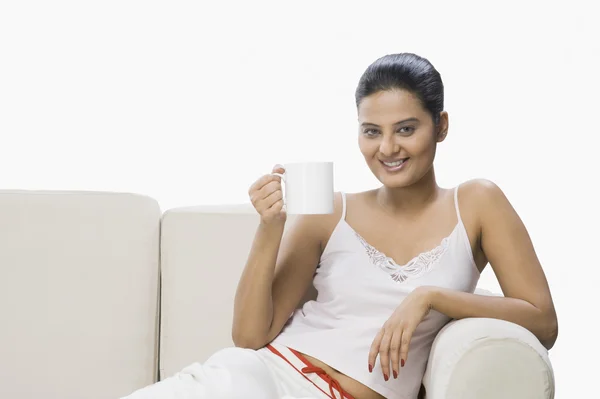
{"x": 397, "y": 136}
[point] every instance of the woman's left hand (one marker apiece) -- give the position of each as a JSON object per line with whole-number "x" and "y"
{"x": 393, "y": 339}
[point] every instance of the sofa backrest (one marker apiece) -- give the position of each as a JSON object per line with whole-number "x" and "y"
{"x": 78, "y": 293}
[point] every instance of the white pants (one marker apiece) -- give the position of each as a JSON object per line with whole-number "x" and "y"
{"x": 234, "y": 373}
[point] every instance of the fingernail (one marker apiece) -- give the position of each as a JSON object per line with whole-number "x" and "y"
{"x": 385, "y": 377}
{"x": 395, "y": 374}
{"x": 401, "y": 362}
{"x": 370, "y": 368}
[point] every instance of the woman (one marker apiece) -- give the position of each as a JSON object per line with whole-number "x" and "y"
{"x": 391, "y": 266}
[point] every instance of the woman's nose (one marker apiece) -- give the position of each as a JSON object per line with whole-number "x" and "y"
{"x": 388, "y": 147}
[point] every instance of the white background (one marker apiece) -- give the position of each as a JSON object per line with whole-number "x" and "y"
{"x": 190, "y": 102}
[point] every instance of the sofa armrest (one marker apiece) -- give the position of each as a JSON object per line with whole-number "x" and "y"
{"x": 487, "y": 358}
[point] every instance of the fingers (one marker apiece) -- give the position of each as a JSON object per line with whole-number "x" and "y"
{"x": 278, "y": 169}
{"x": 391, "y": 345}
{"x": 405, "y": 344}
{"x": 260, "y": 183}
{"x": 272, "y": 198}
{"x": 257, "y": 185}
{"x": 261, "y": 189}
{"x": 374, "y": 350}
{"x": 395, "y": 352}
{"x": 384, "y": 354}
{"x": 266, "y": 195}
{"x": 381, "y": 347}
{"x": 274, "y": 209}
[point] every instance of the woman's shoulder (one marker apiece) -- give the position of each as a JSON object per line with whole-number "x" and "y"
{"x": 479, "y": 189}
{"x": 340, "y": 202}
{"x": 479, "y": 197}
{"x": 329, "y": 222}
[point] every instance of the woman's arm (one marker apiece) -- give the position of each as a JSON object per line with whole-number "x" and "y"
{"x": 278, "y": 273}
{"x": 459, "y": 305}
{"x": 273, "y": 281}
{"x": 253, "y": 307}
{"x": 506, "y": 244}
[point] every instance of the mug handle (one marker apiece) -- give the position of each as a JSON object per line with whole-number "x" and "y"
{"x": 282, "y": 187}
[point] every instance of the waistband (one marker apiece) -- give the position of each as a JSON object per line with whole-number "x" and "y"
{"x": 312, "y": 373}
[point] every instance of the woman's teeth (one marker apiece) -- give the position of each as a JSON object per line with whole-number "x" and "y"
{"x": 392, "y": 164}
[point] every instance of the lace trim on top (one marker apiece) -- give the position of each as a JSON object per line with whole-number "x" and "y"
{"x": 416, "y": 267}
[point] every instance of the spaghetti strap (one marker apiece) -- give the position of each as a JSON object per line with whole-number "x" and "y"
{"x": 456, "y": 203}
{"x": 343, "y": 205}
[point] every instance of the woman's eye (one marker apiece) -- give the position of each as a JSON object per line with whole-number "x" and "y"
{"x": 406, "y": 129}
{"x": 370, "y": 132}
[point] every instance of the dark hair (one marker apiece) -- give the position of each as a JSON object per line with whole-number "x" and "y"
{"x": 405, "y": 71}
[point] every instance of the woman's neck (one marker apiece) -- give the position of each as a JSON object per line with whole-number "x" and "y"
{"x": 408, "y": 200}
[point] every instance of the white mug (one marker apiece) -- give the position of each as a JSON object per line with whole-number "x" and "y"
{"x": 308, "y": 188}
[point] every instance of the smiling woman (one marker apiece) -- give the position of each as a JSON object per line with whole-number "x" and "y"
{"x": 392, "y": 265}
{"x": 400, "y": 102}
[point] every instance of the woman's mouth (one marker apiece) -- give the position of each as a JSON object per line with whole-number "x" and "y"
{"x": 395, "y": 165}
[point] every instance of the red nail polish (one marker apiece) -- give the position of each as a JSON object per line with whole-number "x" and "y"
{"x": 385, "y": 377}
{"x": 370, "y": 368}
{"x": 401, "y": 362}
{"x": 395, "y": 374}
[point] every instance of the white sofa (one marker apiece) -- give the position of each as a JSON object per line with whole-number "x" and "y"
{"x": 102, "y": 293}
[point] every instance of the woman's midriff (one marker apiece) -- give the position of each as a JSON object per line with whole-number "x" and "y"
{"x": 353, "y": 387}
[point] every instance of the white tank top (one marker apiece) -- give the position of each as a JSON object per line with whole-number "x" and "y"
{"x": 358, "y": 290}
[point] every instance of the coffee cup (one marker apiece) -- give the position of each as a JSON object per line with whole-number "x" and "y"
{"x": 307, "y": 188}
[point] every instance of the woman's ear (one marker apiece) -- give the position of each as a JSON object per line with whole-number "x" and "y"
{"x": 442, "y": 127}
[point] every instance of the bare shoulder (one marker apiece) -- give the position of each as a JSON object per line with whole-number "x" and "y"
{"x": 488, "y": 206}
{"x": 480, "y": 187}
{"x": 481, "y": 203}
{"x": 480, "y": 195}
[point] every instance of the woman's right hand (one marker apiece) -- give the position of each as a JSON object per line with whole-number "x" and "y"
{"x": 266, "y": 196}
